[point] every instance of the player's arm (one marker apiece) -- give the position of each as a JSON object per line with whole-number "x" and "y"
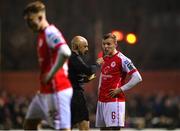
{"x": 135, "y": 77}
{"x": 56, "y": 41}
{"x": 63, "y": 54}
{"x": 134, "y": 80}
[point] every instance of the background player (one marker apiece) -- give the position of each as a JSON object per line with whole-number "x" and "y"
{"x": 80, "y": 73}
{"x": 53, "y": 101}
{"x": 111, "y": 99}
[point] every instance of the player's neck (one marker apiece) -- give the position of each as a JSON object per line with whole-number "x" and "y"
{"x": 113, "y": 53}
{"x": 44, "y": 24}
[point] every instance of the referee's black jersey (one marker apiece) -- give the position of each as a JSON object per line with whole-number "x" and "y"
{"x": 78, "y": 71}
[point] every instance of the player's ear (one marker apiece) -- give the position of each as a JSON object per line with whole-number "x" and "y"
{"x": 40, "y": 18}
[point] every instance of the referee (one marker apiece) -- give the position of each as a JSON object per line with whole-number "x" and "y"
{"x": 79, "y": 73}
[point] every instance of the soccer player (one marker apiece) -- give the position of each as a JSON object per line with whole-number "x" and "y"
{"x": 53, "y": 101}
{"x": 79, "y": 73}
{"x": 111, "y": 99}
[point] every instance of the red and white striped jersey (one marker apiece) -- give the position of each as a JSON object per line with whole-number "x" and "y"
{"x": 113, "y": 74}
{"x": 49, "y": 40}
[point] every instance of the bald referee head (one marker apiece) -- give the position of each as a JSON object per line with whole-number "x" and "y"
{"x": 79, "y": 45}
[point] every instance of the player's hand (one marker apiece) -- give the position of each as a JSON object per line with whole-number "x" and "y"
{"x": 114, "y": 92}
{"x": 91, "y": 77}
{"x": 100, "y": 61}
{"x": 46, "y": 78}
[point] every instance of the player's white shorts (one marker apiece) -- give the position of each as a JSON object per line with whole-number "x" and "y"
{"x": 54, "y": 108}
{"x": 110, "y": 114}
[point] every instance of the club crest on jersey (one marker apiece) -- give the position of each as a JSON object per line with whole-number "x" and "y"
{"x": 113, "y": 64}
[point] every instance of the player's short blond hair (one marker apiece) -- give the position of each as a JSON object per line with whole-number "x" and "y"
{"x": 34, "y": 7}
{"x": 110, "y": 35}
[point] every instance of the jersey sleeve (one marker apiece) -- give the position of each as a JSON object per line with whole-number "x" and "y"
{"x": 127, "y": 65}
{"x": 54, "y": 37}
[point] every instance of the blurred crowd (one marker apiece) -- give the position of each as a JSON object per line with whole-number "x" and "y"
{"x": 155, "y": 111}
{"x": 12, "y": 110}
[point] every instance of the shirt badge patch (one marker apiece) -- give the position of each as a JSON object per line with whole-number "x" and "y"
{"x": 56, "y": 41}
{"x": 130, "y": 66}
{"x": 54, "y": 38}
{"x": 113, "y": 64}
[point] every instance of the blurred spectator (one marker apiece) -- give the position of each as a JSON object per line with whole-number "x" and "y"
{"x": 155, "y": 111}
{"x": 12, "y": 110}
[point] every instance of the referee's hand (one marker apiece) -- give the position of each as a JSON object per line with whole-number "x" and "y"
{"x": 100, "y": 61}
{"x": 91, "y": 77}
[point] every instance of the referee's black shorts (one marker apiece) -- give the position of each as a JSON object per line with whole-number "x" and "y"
{"x": 79, "y": 110}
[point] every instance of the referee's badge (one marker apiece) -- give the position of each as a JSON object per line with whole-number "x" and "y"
{"x": 113, "y": 64}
